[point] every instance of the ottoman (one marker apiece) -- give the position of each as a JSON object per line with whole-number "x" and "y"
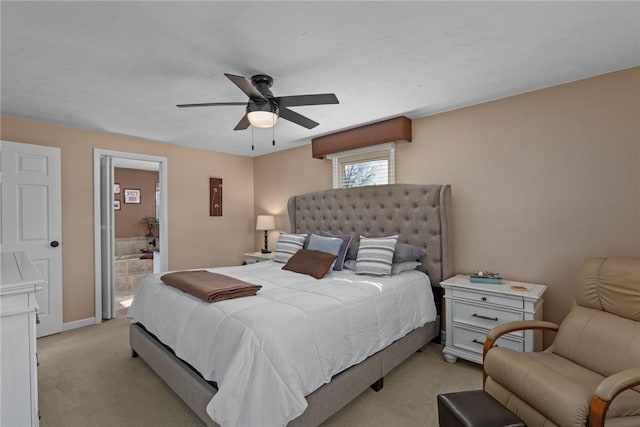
{"x": 474, "y": 408}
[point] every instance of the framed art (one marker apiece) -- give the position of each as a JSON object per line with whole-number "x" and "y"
{"x": 131, "y": 195}
{"x": 215, "y": 196}
{"x": 116, "y": 205}
{"x": 116, "y": 188}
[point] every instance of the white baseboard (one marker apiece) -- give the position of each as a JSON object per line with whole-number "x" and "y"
{"x": 79, "y": 323}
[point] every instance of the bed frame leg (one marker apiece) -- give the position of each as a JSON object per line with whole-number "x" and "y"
{"x": 134, "y": 353}
{"x": 377, "y": 386}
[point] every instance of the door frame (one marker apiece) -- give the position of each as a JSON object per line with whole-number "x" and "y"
{"x": 97, "y": 238}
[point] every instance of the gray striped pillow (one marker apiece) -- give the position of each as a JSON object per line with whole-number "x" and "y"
{"x": 375, "y": 255}
{"x": 288, "y": 244}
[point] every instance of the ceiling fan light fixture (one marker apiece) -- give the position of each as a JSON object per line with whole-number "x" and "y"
{"x": 262, "y": 119}
{"x": 263, "y": 109}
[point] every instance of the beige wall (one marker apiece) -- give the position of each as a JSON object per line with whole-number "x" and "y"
{"x": 195, "y": 238}
{"x": 540, "y": 181}
{"x": 128, "y": 218}
{"x": 283, "y": 174}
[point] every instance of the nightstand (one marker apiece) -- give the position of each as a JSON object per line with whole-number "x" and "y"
{"x": 472, "y": 309}
{"x": 252, "y": 257}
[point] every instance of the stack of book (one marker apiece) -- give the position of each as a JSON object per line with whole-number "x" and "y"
{"x": 485, "y": 277}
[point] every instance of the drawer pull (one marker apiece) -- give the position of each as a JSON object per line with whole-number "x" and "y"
{"x": 480, "y": 316}
{"x": 475, "y": 341}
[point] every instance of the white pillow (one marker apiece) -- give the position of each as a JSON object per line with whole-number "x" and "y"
{"x": 375, "y": 255}
{"x": 288, "y": 244}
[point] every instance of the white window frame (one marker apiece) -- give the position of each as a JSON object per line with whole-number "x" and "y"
{"x": 385, "y": 151}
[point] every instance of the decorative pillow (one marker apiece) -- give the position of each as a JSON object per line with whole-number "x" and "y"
{"x": 375, "y": 255}
{"x": 352, "y": 251}
{"x": 325, "y": 244}
{"x": 406, "y": 252}
{"x": 311, "y": 262}
{"x": 287, "y": 245}
{"x": 346, "y": 239}
{"x": 399, "y": 267}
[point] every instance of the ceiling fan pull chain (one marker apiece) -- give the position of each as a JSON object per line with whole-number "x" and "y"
{"x": 273, "y": 131}
{"x": 251, "y": 138}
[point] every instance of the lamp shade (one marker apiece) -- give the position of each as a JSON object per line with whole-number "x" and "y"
{"x": 265, "y": 222}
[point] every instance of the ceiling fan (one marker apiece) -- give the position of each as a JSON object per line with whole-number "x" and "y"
{"x": 263, "y": 109}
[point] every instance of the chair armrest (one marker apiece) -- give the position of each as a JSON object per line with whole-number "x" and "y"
{"x": 611, "y": 386}
{"x": 505, "y": 328}
{"x": 607, "y": 390}
{"x": 519, "y": 325}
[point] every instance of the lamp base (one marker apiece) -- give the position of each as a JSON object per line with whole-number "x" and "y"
{"x": 266, "y": 243}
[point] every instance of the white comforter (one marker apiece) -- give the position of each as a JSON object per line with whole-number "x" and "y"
{"x": 269, "y": 351}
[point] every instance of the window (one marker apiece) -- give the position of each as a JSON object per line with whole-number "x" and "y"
{"x": 365, "y": 166}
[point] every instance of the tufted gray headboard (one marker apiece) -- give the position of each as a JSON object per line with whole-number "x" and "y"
{"x": 417, "y": 213}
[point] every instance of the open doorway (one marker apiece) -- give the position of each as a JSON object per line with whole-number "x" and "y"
{"x": 130, "y": 226}
{"x": 136, "y": 232}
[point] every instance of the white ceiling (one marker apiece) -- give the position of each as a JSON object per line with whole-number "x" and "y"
{"x": 122, "y": 66}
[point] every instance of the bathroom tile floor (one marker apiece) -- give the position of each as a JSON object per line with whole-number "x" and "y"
{"x": 123, "y": 301}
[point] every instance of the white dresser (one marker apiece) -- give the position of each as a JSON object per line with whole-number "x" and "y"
{"x": 20, "y": 280}
{"x": 252, "y": 257}
{"x": 472, "y": 309}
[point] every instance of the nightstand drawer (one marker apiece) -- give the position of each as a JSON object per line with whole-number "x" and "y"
{"x": 482, "y": 316}
{"x": 473, "y": 340}
{"x": 488, "y": 298}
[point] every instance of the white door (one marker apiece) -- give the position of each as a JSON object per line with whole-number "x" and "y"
{"x": 32, "y": 220}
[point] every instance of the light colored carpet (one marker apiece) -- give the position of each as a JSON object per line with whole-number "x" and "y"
{"x": 88, "y": 378}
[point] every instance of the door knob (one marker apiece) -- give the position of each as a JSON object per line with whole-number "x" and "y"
{"x": 54, "y": 244}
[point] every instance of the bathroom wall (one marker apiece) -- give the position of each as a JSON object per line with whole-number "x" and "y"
{"x": 128, "y": 217}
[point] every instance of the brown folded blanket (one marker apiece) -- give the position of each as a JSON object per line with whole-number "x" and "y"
{"x": 209, "y": 287}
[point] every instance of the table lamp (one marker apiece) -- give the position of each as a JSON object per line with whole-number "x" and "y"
{"x": 266, "y": 223}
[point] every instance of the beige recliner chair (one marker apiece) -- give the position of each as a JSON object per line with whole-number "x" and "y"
{"x": 590, "y": 375}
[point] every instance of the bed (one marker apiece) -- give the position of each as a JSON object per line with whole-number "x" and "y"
{"x": 417, "y": 213}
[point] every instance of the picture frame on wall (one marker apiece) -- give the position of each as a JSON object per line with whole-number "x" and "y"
{"x": 131, "y": 195}
{"x": 215, "y": 196}
{"x": 116, "y": 188}
{"x": 116, "y": 205}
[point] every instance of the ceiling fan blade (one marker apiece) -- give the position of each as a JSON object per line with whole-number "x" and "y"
{"x": 297, "y": 100}
{"x": 210, "y": 104}
{"x": 298, "y": 119}
{"x": 245, "y": 86}
{"x": 243, "y": 123}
